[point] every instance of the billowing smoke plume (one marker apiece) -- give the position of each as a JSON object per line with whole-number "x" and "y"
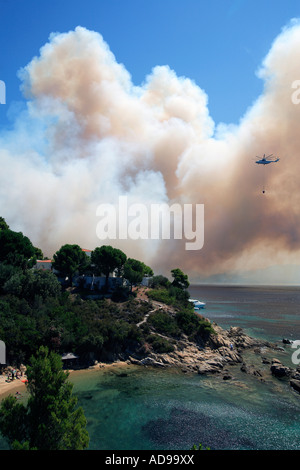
{"x": 88, "y": 136}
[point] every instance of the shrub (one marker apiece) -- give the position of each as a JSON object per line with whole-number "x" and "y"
{"x": 193, "y": 325}
{"x": 170, "y": 296}
{"x": 161, "y": 295}
{"x": 120, "y": 294}
{"x": 160, "y": 345}
{"x": 164, "y": 323}
{"x": 159, "y": 281}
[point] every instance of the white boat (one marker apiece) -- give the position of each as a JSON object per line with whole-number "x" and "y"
{"x": 197, "y": 304}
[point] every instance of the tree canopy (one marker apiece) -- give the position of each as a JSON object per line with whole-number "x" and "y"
{"x": 3, "y": 224}
{"x": 135, "y": 270}
{"x": 30, "y": 284}
{"x": 70, "y": 259}
{"x": 180, "y": 279}
{"x": 107, "y": 259}
{"x": 50, "y": 420}
{"x": 15, "y": 248}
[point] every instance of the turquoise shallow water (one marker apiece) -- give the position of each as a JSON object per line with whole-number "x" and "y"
{"x": 148, "y": 409}
{"x": 161, "y": 409}
{"x": 151, "y": 409}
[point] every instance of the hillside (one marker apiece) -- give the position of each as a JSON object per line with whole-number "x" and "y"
{"x": 148, "y": 326}
{"x": 208, "y": 349}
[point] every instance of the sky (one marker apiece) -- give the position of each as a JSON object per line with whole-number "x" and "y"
{"x": 219, "y": 44}
{"x": 161, "y": 101}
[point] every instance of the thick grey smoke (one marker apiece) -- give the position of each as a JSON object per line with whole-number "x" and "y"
{"x": 88, "y": 136}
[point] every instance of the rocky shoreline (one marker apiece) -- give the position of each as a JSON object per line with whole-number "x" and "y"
{"x": 212, "y": 356}
{"x": 224, "y": 349}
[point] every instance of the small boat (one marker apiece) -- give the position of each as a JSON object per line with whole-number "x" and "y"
{"x": 197, "y": 304}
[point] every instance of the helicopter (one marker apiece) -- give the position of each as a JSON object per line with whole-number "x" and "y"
{"x": 265, "y": 160}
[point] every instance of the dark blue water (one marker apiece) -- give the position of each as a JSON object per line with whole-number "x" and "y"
{"x": 135, "y": 408}
{"x": 272, "y": 313}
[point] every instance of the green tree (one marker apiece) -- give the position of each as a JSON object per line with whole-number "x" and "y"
{"x": 12, "y": 420}
{"x": 3, "y": 224}
{"x": 134, "y": 271}
{"x": 50, "y": 420}
{"x": 159, "y": 281}
{"x": 6, "y": 272}
{"x": 30, "y": 284}
{"x": 180, "y": 279}
{"x": 147, "y": 271}
{"x": 38, "y": 253}
{"x": 107, "y": 259}
{"x": 70, "y": 259}
{"x": 43, "y": 284}
{"x": 16, "y": 249}
{"x": 14, "y": 285}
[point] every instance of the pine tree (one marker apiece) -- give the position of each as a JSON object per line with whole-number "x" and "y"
{"x": 50, "y": 420}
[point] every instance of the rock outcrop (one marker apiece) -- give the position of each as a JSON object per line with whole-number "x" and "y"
{"x": 250, "y": 369}
{"x": 279, "y": 370}
{"x": 283, "y": 372}
{"x": 295, "y": 384}
{"x": 213, "y": 355}
{"x": 222, "y": 348}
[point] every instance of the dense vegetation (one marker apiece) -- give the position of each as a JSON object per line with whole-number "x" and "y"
{"x": 50, "y": 419}
{"x": 37, "y": 309}
{"x": 44, "y": 314}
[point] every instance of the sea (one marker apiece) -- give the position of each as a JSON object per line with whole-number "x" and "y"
{"x": 142, "y": 408}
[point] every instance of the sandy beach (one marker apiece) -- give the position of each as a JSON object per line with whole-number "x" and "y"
{"x": 10, "y": 388}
